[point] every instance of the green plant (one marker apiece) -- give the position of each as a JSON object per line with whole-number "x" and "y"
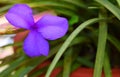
{"x": 86, "y": 44}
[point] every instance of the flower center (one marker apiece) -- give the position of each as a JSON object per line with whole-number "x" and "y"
{"x": 34, "y": 27}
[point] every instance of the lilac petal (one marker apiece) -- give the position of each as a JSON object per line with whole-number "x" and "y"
{"x": 35, "y": 45}
{"x": 20, "y": 15}
{"x": 52, "y": 27}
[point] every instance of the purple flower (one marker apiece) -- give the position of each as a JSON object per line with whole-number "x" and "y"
{"x": 49, "y": 27}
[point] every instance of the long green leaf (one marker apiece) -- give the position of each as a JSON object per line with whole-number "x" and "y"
{"x": 67, "y": 63}
{"x": 12, "y": 66}
{"x": 114, "y": 41}
{"x": 118, "y": 1}
{"x": 52, "y": 3}
{"x": 85, "y": 62}
{"x": 106, "y": 65}
{"x": 101, "y": 45}
{"x": 77, "y": 3}
{"x": 32, "y": 63}
{"x": 68, "y": 41}
{"x": 22, "y": 71}
{"x": 115, "y": 10}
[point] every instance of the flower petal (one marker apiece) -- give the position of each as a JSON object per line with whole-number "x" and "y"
{"x": 52, "y": 27}
{"x": 35, "y": 45}
{"x": 20, "y": 15}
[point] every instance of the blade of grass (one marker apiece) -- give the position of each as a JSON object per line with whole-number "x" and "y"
{"x": 68, "y": 41}
{"x": 39, "y": 72}
{"x": 67, "y": 63}
{"x": 85, "y": 62}
{"x": 32, "y": 63}
{"x": 106, "y": 65}
{"x": 22, "y": 71}
{"x": 114, "y": 41}
{"x": 77, "y": 3}
{"x": 115, "y": 10}
{"x": 101, "y": 45}
{"x": 52, "y": 3}
{"x": 12, "y": 66}
{"x": 118, "y": 1}
{"x": 5, "y": 8}
{"x": 65, "y": 12}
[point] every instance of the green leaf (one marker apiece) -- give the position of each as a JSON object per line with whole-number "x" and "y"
{"x": 12, "y": 66}
{"x": 67, "y": 63}
{"x": 114, "y": 41}
{"x": 111, "y": 7}
{"x": 22, "y": 71}
{"x": 77, "y": 3}
{"x": 101, "y": 45}
{"x": 52, "y": 3}
{"x": 68, "y": 41}
{"x": 85, "y": 62}
{"x": 65, "y": 12}
{"x": 118, "y": 1}
{"x": 2, "y": 9}
{"x": 106, "y": 65}
{"x": 32, "y": 63}
{"x": 74, "y": 19}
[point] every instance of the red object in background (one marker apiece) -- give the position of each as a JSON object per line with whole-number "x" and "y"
{"x": 19, "y": 38}
{"x": 80, "y": 72}
{"x": 54, "y": 73}
{"x": 88, "y": 72}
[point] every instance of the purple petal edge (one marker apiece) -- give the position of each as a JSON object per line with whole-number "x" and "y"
{"x": 52, "y": 27}
{"x": 35, "y": 45}
{"x": 20, "y": 15}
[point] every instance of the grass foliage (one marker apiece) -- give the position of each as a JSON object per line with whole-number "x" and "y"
{"x": 92, "y": 40}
